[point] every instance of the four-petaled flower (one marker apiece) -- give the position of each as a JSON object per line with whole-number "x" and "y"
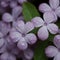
{"x": 22, "y": 34}
{"x": 54, "y": 8}
{"x": 46, "y": 25}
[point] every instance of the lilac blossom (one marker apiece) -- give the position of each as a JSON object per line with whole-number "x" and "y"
{"x": 8, "y": 56}
{"x": 7, "y": 17}
{"x": 52, "y": 51}
{"x": 46, "y": 25}
{"x": 4, "y": 28}
{"x": 21, "y": 34}
{"x": 28, "y": 54}
{"x": 16, "y": 11}
{"x": 54, "y": 8}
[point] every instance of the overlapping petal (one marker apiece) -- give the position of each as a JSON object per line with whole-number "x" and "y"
{"x": 28, "y": 27}
{"x": 54, "y": 3}
{"x": 22, "y": 44}
{"x": 57, "y": 57}
{"x": 16, "y": 11}
{"x": 20, "y": 26}
{"x": 31, "y": 38}
{"x": 57, "y": 11}
{"x": 44, "y": 7}
{"x": 37, "y": 21}
{"x": 56, "y": 41}
{"x": 51, "y": 51}
{"x": 53, "y": 28}
{"x": 15, "y": 36}
{"x": 49, "y": 17}
{"x": 43, "y": 33}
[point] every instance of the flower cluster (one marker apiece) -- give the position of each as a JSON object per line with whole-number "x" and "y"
{"x": 52, "y": 51}
{"x": 16, "y": 37}
{"x": 51, "y": 14}
{"x": 14, "y": 32}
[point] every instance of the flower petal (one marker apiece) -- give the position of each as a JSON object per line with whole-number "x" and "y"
{"x": 53, "y": 28}
{"x": 57, "y": 57}
{"x": 44, "y": 7}
{"x": 37, "y": 21}
{"x": 22, "y": 44}
{"x": 51, "y": 51}
{"x": 31, "y": 38}
{"x": 57, "y": 11}
{"x": 20, "y": 26}
{"x": 15, "y": 36}
{"x": 21, "y": 1}
{"x": 16, "y": 11}
{"x": 2, "y": 41}
{"x": 4, "y": 28}
{"x": 49, "y": 17}
{"x": 43, "y": 33}
{"x": 56, "y": 41}
{"x": 54, "y": 3}
{"x": 1, "y": 34}
{"x": 28, "y": 54}
{"x": 7, "y": 17}
{"x": 29, "y": 27}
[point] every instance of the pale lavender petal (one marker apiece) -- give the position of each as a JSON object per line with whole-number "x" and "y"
{"x": 55, "y": 16}
{"x": 22, "y": 44}
{"x": 4, "y": 56}
{"x": 7, "y": 17}
{"x": 31, "y": 38}
{"x": 20, "y": 26}
{"x": 9, "y": 43}
{"x": 4, "y": 28}
{"x": 11, "y": 57}
{"x": 15, "y": 36}
{"x": 29, "y": 27}
{"x": 22, "y": 1}
{"x": 53, "y": 28}
{"x": 1, "y": 35}
{"x": 7, "y": 56}
{"x": 57, "y": 11}
{"x": 57, "y": 57}
{"x": 51, "y": 51}
{"x": 28, "y": 54}
{"x": 2, "y": 41}
{"x": 44, "y": 7}
{"x": 3, "y": 49}
{"x": 16, "y": 11}
{"x": 54, "y": 3}
{"x": 43, "y": 33}
{"x": 4, "y": 4}
{"x": 56, "y": 41}
{"x": 37, "y": 21}
{"x": 49, "y": 17}
{"x": 13, "y": 4}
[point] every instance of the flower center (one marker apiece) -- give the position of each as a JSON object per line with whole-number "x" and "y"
{"x": 45, "y": 24}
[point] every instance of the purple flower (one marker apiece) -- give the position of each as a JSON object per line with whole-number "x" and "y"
{"x": 22, "y": 35}
{"x": 7, "y": 17}
{"x": 52, "y": 51}
{"x": 8, "y": 56}
{"x": 56, "y": 41}
{"x": 21, "y": 1}
{"x": 54, "y": 8}
{"x": 46, "y": 25}
{"x": 4, "y": 28}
